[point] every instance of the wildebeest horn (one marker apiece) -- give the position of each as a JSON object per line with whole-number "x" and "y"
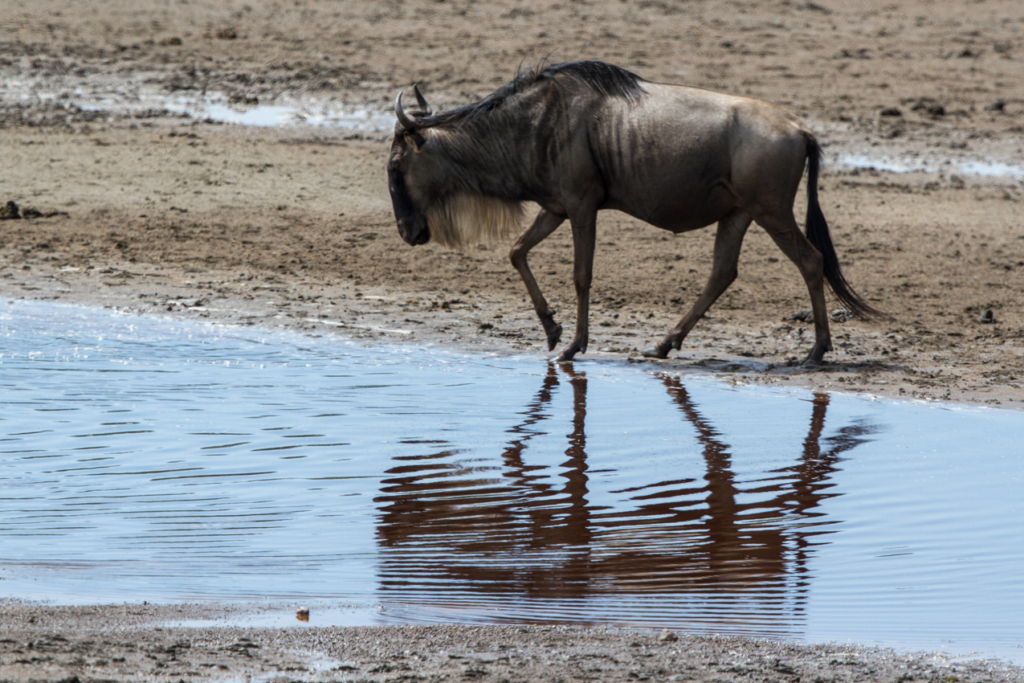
{"x": 403, "y": 118}
{"x": 422, "y": 101}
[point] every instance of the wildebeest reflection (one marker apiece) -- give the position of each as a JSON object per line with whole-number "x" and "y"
{"x": 515, "y": 528}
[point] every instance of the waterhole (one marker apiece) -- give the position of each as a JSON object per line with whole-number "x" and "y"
{"x": 144, "y": 458}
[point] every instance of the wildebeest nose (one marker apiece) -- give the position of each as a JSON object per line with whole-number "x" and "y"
{"x": 412, "y": 233}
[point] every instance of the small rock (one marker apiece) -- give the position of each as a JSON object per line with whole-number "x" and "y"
{"x": 243, "y": 99}
{"x": 171, "y": 40}
{"x": 998, "y": 105}
{"x": 302, "y": 614}
{"x": 227, "y": 34}
{"x": 987, "y": 317}
{"x": 936, "y": 110}
{"x": 814, "y": 7}
{"x": 841, "y": 315}
{"x": 891, "y": 111}
{"x": 668, "y": 637}
{"x": 803, "y": 316}
{"x": 10, "y": 211}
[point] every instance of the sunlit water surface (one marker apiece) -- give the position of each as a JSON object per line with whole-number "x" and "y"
{"x": 149, "y": 459}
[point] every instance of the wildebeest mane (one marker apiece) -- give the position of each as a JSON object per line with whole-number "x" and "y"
{"x": 606, "y": 79}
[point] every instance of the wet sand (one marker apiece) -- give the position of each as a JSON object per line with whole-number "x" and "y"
{"x": 135, "y": 643}
{"x": 152, "y": 212}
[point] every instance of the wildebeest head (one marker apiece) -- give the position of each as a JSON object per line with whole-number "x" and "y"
{"x": 440, "y": 188}
{"x": 406, "y": 169}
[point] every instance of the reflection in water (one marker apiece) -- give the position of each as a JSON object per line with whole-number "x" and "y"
{"x": 152, "y": 459}
{"x": 465, "y": 533}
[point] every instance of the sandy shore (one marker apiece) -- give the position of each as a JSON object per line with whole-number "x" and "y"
{"x": 134, "y": 206}
{"x": 140, "y": 643}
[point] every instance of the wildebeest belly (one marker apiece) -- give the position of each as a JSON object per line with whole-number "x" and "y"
{"x": 670, "y": 164}
{"x": 674, "y": 204}
{"x": 680, "y": 209}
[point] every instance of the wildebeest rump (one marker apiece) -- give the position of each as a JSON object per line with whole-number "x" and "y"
{"x": 583, "y": 136}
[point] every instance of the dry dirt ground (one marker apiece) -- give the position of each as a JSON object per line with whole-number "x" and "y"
{"x": 155, "y": 212}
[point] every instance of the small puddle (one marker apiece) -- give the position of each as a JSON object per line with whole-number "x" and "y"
{"x": 144, "y": 458}
{"x": 987, "y": 169}
{"x": 136, "y": 100}
{"x": 991, "y": 169}
{"x": 860, "y": 161}
{"x": 217, "y": 107}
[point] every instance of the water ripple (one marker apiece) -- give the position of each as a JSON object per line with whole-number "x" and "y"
{"x": 216, "y": 463}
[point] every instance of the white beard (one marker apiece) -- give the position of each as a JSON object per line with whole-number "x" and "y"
{"x": 467, "y": 220}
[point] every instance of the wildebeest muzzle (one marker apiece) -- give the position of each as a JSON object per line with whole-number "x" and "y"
{"x": 413, "y": 230}
{"x": 411, "y": 226}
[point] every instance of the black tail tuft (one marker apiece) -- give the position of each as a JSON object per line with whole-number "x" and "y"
{"x": 818, "y": 235}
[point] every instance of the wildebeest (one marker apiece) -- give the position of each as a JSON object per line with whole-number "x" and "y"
{"x": 583, "y": 136}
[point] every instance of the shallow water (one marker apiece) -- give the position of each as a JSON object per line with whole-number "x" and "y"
{"x": 218, "y": 108}
{"x": 149, "y": 459}
{"x": 975, "y": 167}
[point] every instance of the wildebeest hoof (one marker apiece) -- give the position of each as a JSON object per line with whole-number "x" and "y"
{"x": 553, "y": 337}
{"x": 570, "y": 351}
{"x": 653, "y": 352}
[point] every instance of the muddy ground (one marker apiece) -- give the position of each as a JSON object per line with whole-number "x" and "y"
{"x": 141, "y": 643}
{"x": 151, "y": 211}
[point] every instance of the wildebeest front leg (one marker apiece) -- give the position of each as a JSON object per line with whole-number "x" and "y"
{"x": 728, "y": 241}
{"x": 545, "y": 224}
{"x": 584, "y": 236}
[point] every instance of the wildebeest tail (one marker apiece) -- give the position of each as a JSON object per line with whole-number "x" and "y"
{"x": 818, "y": 235}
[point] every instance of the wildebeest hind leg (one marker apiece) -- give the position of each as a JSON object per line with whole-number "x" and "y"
{"x": 728, "y": 241}
{"x": 808, "y": 260}
{"x": 545, "y": 224}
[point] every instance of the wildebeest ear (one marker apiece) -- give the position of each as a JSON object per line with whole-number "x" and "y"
{"x": 414, "y": 138}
